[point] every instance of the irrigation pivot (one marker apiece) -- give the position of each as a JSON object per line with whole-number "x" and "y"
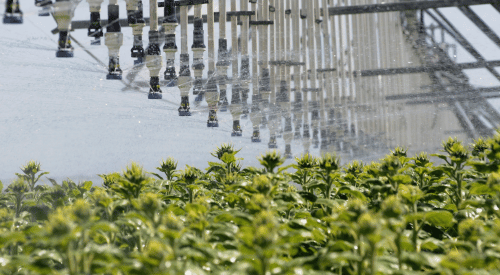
{"x": 323, "y": 74}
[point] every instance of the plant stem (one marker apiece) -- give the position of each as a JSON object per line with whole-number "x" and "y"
{"x": 458, "y": 178}
{"x": 373, "y": 257}
{"x": 263, "y": 264}
{"x": 360, "y": 263}
{"x": 329, "y": 192}
{"x": 398, "y": 244}
{"x": 19, "y": 200}
{"x": 69, "y": 254}
{"x": 415, "y": 230}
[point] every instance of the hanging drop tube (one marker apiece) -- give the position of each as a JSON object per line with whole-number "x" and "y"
{"x": 95, "y": 29}
{"x": 153, "y": 53}
{"x": 114, "y": 40}
{"x": 170, "y": 47}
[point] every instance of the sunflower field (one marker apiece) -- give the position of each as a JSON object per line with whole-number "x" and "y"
{"x": 422, "y": 214}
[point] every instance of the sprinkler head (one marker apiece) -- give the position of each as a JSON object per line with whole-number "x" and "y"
{"x": 65, "y": 49}
{"x": 237, "y": 132}
{"x": 115, "y": 72}
{"x": 256, "y": 136}
{"x": 212, "y": 119}
{"x": 95, "y": 29}
{"x": 154, "y": 89}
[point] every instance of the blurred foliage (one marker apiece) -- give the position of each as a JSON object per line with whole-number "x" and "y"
{"x": 401, "y": 215}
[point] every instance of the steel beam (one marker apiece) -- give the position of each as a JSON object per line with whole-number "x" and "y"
{"x": 496, "y": 6}
{"x": 84, "y": 24}
{"x": 358, "y": 9}
{"x": 490, "y": 92}
{"x": 408, "y": 5}
{"x": 461, "y": 40}
{"x": 480, "y": 24}
{"x": 427, "y": 69}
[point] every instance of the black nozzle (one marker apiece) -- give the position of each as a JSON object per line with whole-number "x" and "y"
{"x": 64, "y": 40}
{"x": 95, "y": 29}
{"x": 265, "y": 81}
{"x": 170, "y": 42}
{"x": 235, "y": 95}
{"x": 139, "y": 16}
{"x": 113, "y": 19}
{"x": 198, "y": 39}
{"x": 154, "y": 40}
{"x": 184, "y": 69}
{"x": 170, "y": 15}
{"x": 170, "y": 74}
{"x": 154, "y": 85}
{"x": 114, "y": 65}
{"x": 223, "y": 53}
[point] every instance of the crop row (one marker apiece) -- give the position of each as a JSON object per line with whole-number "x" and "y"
{"x": 401, "y": 215}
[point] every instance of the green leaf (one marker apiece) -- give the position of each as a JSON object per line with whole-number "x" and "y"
{"x": 8, "y": 238}
{"x": 475, "y": 203}
{"x": 402, "y": 179}
{"x": 75, "y": 193}
{"x": 298, "y": 224}
{"x": 341, "y": 246}
{"x": 156, "y": 175}
{"x": 342, "y": 257}
{"x": 432, "y": 244}
{"x": 436, "y": 189}
{"x": 439, "y": 218}
{"x": 313, "y": 185}
{"x": 308, "y": 196}
{"x": 415, "y": 260}
{"x": 40, "y": 175}
{"x": 215, "y": 167}
{"x": 482, "y": 167}
{"x": 225, "y": 217}
{"x": 443, "y": 157}
{"x": 284, "y": 168}
{"x": 411, "y": 193}
{"x": 481, "y": 189}
{"x": 105, "y": 227}
{"x": 242, "y": 185}
{"x": 349, "y": 190}
{"x": 451, "y": 207}
{"x": 194, "y": 208}
{"x": 65, "y": 185}
{"x": 176, "y": 210}
{"x": 29, "y": 202}
{"x": 437, "y": 173}
{"x": 414, "y": 216}
{"x": 373, "y": 181}
{"x": 40, "y": 255}
{"x": 289, "y": 197}
{"x": 431, "y": 197}
{"x": 241, "y": 218}
{"x": 87, "y": 185}
{"x": 326, "y": 202}
{"x": 173, "y": 197}
{"x": 53, "y": 181}
{"x": 228, "y": 157}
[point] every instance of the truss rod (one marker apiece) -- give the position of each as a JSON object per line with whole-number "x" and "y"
{"x": 427, "y": 69}
{"x": 358, "y": 9}
{"x": 408, "y": 5}
{"x": 489, "y": 92}
{"x": 461, "y": 40}
{"x": 480, "y": 24}
{"x": 496, "y": 6}
{"x": 84, "y": 24}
